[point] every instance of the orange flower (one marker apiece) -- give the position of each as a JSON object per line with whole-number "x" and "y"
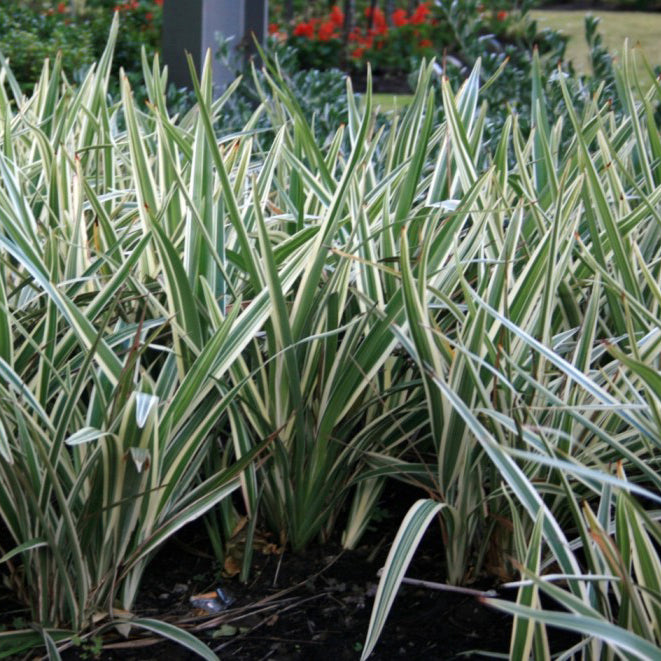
{"x": 420, "y": 14}
{"x": 358, "y": 53}
{"x": 326, "y": 31}
{"x": 366, "y": 41}
{"x": 273, "y": 28}
{"x": 380, "y": 25}
{"x": 399, "y": 18}
{"x": 304, "y": 29}
{"x": 159, "y": 2}
{"x": 337, "y": 17}
{"x": 426, "y": 43}
{"x": 501, "y": 15}
{"x": 61, "y": 7}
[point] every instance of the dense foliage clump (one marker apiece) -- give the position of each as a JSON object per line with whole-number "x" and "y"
{"x": 265, "y": 323}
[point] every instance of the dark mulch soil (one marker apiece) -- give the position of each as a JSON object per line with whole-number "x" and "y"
{"x": 308, "y": 606}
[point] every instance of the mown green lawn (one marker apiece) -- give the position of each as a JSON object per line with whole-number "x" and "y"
{"x": 638, "y": 27}
{"x": 388, "y": 102}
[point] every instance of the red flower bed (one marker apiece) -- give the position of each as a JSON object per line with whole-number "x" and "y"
{"x": 389, "y": 45}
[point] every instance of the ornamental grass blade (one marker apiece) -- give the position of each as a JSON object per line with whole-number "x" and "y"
{"x": 13, "y": 643}
{"x": 426, "y": 353}
{"x": 51, "y": 647}
{"x": 229, "y": 197}
{"x": 525, "y": 631}
{"x": 85, "y": 435}
{"x": 647, "y": 565}
{"x": 410, "y": 532}
{"x": 6, "y": 336}
{"x": 620, "y": 639}
{"x": 312, "y": 274}
{"x": 25, "y": 546}
{"x": 180, "y": 295}
{"x": 175, "y": 634}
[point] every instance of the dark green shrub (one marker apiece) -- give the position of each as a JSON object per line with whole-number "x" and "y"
{"x": 140, "y": 26}
{"x": 27, "y": 37}
{"x": 33, "y": 31}
{"x": 320, "y": 93}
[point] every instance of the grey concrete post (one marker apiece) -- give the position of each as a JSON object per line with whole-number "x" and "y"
{"x": 192, "y": 25}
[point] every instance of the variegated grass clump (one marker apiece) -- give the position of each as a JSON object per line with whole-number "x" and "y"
{"x": 538, "y": 340}
{"x": 112, "y": 367}
{"x": 173, "y": 304}
{"x": 185, "y": 316}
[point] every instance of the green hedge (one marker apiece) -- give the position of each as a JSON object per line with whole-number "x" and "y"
{"x": 31, "y": 32}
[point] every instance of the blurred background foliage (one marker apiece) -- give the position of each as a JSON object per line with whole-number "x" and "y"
{"x": 316, "y": 44}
